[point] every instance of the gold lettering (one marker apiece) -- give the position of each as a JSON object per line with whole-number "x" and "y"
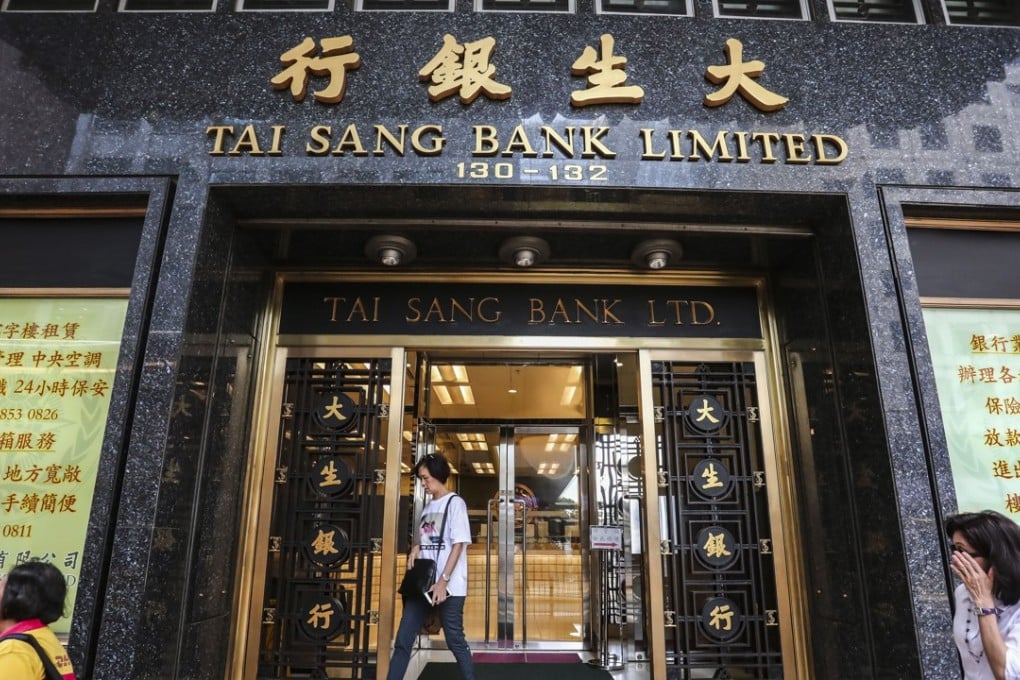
{"x": 486, "y": 142}
{"x": 677, "y": 305}
{"x": 698, "y": 143}
{"x": 695, "y": 304}
{"x": 795, "y": 149}
{"x": 742, "y": 155}
{"x": 382, "y": 134}
{"x": 591, "y": 143}
{"x": 481, "y": 312}
{"x": 435, "y": 309}
{"x": 436, "y": 134}
{"x": 820, "y": 142}
{"x": 248, "y": 141}
{"x": 278, "y": 131}
{"x": 537, "y": 311}
{"x": 456, "y": 306}
{"x": 412, "y": 304}
{"x": 652, "y": 321}
{"x": 676, "y": 144}
{"x": 219, "y": 131}
{"x": 559, "y": 310}
{"x": 579, "y": 308}
{"x": 352, "y": 140}
{"x": 767, "y": 139}
{"x": 519, "y": 142}
{"x": 607, "y": 314}
{"x": 336, "y": 301}
{"x": 646, "y": 143}
{"x": 359, "y": 308}
{"x": 553, "y": 139}
{"x": 319, "y": 134}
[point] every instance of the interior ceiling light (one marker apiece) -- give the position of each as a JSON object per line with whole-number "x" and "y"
{"x": 390, "y": 251}
{"x": 657, "y": 253}
{"x": 524, "y": 251}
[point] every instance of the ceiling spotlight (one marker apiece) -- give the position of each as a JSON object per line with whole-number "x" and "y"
{"x": 390, "y": 251}
{"x": 657, "y": 253}
{"x": 524, "y": 251}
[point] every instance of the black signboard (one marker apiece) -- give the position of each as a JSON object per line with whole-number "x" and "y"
{"x": 561, "y": 310}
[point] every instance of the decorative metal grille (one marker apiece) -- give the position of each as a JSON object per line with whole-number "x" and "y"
{"x": 983, "y": 12}
{"x": 322, "y": 569}
{"x": 905, "y": 11}
{"x": 719, "y": 578}
{"x": 770, "y": 9}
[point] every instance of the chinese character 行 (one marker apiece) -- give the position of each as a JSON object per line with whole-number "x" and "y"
{"x": 337, "y": 56}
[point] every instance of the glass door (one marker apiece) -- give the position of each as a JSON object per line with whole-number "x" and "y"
{"x": 523, "y": 487}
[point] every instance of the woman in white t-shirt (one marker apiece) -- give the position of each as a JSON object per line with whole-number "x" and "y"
{"x": 450, "y": 553}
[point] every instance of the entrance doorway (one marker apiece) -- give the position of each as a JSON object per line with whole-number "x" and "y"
{"x": 517, "y": 435}
{"x": 672, "y": 450}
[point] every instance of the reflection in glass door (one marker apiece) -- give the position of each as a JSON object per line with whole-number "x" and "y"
{"x": 526, "y": 580}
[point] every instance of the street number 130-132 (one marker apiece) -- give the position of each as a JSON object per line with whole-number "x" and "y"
{"x": 569, "y": 172}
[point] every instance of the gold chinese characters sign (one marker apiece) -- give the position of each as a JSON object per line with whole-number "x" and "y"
{"x": 976, "y": 358}
{"x": 466, "y": 70}
{"x": 58, "y": 358}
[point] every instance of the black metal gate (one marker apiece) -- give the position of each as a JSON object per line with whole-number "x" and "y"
{"x": 720, "y": 597}
{"x": 321, "y": 584}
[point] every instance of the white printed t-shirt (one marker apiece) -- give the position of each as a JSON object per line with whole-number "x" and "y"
{"x": 458, "y": 530}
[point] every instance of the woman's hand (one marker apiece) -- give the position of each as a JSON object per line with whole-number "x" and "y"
{"x": 439, "y": 591}
{"x": 412, "y": 555}
{"x": 979, "y": 584}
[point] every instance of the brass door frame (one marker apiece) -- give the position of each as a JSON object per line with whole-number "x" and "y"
{"x": 790, "y": 583}
{"x": 254, "y": 541}
{"x": 775, "y": 432}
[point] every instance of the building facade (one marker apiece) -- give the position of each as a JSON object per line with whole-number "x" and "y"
{"x": 659, "y": 278}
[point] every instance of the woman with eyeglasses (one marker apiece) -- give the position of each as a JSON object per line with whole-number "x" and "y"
{"x": 450, "y": 553}
{"x": 986, "y": 627}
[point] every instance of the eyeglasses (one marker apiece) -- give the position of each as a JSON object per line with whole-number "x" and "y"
{"x": 957, "y": 548}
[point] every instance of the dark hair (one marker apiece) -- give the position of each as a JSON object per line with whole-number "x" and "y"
{"x": 437, "y": 466}
{"x": 997, "y": 538}
{"x": 34, "y": 590}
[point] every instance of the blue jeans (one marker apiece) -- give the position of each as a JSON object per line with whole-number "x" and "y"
{"x": 451, "y": 615}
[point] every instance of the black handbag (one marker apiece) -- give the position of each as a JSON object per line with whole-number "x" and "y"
{"x": 418, "y": 580}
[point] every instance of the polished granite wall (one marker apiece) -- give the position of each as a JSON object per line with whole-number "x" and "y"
{"x": 112, "y": 103}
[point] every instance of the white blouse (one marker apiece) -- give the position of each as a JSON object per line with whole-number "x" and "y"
{"x": 968, "y": 638}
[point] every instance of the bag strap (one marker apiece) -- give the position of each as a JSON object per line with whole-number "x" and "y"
{"x": 51, "y": 671}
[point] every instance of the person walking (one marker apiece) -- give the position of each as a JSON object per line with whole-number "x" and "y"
{"x": 449, "y": 551}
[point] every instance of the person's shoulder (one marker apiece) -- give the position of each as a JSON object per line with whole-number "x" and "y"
{"x": 13, "y": 647}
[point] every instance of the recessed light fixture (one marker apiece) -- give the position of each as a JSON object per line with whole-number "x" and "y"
{"x": 524, "y": 251}
{"x": 656, "y": 253}
{"x": 390, "y": 251}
